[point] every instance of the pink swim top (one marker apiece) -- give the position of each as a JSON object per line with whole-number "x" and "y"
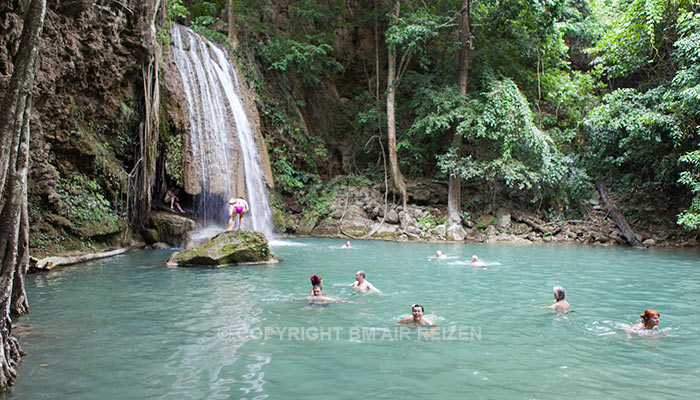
{"x": 239, "y": 209}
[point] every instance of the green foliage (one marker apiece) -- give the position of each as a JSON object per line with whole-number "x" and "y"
{"x": 639, "y": 38}
{"x": 687, "y": 106}
{"x": 177, "y": 12}
{"x": 410, "y": 34}
{"x": 310, "y": 61}
{"x": 83, "y": 204}
{"x": 572, "y": 96}
{"x": 631, "y": 132}
{"x": 504, "y": 145}
{"x": 690, "y": 219}
{"x": 173, "y": 159}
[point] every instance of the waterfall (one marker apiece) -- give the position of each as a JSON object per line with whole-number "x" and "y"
{"x": 215, "y": 110}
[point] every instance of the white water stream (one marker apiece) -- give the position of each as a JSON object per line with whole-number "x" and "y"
{"x": 215, "y": 110}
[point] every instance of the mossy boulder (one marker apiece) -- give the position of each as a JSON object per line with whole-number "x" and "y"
{"x": 227, "y": 248}
{"x": 172, "y": 228}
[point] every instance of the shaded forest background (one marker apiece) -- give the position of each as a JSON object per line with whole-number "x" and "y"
{"x": 560, "y": 94}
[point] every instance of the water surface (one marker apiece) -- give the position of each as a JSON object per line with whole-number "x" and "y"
{"x": 127, "y": 327}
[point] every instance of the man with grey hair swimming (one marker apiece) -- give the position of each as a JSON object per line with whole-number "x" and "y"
{"x": 477, "y": 263}
{"x": 361, "y": 285}
{"x": 559, "y": 302}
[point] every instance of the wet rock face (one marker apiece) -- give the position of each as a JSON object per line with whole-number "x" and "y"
{"x": 227, "y": 248}
{"x": 172, "y": 229}
{"x": 85, "y": 103}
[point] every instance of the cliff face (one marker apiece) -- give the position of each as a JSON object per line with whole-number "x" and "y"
{"x": 85, "y": 115}
{"x": 88, "y": 108}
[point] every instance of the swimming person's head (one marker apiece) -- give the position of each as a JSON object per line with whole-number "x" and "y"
{"x": 417, "y": 310}
{"x": 650, "y": 318}
{"x": 317, "y": 290}
{"x": 359, "y": 274}
{"x": 475, "y": 259}
{"x": 316, "y": 280}
{"x": 438, "y": 253}
{"x": 559, "y": 293}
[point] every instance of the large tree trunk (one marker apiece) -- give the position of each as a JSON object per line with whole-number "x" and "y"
{"x": 617, "y": 216}
{"x": 14, "y": 162}
{"x": 454, "y": 191}
{"x": 396, "y": 176}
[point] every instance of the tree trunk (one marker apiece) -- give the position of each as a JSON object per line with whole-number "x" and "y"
{"x": 232, "y": 31}
{"x": 617, "y": 216}
{"x": 14, "y": 162}
{"x": 140, "y": 205}
{"x": 396, "y": 176}
{"x": 454, "y": 191}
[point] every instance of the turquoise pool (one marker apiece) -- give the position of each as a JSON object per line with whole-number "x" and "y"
{"x": 127, "y": 327}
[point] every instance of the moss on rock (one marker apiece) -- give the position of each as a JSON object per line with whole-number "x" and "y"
{"x": 227, "y": 248}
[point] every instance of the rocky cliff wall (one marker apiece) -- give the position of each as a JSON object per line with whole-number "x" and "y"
{"x": 85, "y": 115}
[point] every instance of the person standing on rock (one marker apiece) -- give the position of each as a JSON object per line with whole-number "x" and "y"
{"x": 236, "y": 206}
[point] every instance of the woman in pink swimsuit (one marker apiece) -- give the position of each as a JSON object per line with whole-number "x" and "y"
{"x": 236, "y": 206}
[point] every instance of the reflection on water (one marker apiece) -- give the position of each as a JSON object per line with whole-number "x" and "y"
{"x": 127, "y": 327}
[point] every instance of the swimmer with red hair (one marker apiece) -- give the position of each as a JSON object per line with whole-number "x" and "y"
{"x": 650, "y": 320}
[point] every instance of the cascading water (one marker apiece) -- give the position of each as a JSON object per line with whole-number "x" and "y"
{"x": 214, "y": 107}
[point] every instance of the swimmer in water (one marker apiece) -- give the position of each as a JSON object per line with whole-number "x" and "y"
{"x": 236, "y": 206}
{"x": 417, "y": 310}
{"x": 439, "y": 255}
{"x": 346, "y": 245}
{"x": 315, "y": 281}
{"x": 477, "y": 263}
{"x": 650, "y": 321}
{"x": 559, "y": 302}
{"x": 361, "y": 285}
{"x": 317, "y": 296}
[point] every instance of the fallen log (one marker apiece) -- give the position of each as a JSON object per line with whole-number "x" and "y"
{"x": 533, "y": 225}
{"x": 617, "y": 216}
{"x": 49, "y": 263}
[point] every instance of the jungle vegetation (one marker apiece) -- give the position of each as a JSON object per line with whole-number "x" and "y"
{"x": 559, "y": 93}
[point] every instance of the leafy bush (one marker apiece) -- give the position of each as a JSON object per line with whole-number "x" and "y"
{"x": 83, "y": 204}
{"x": 310, "y": 60}
{"x": 503, "y": 146}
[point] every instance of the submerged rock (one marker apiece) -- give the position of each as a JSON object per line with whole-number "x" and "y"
{"x": 227, "y": 248}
